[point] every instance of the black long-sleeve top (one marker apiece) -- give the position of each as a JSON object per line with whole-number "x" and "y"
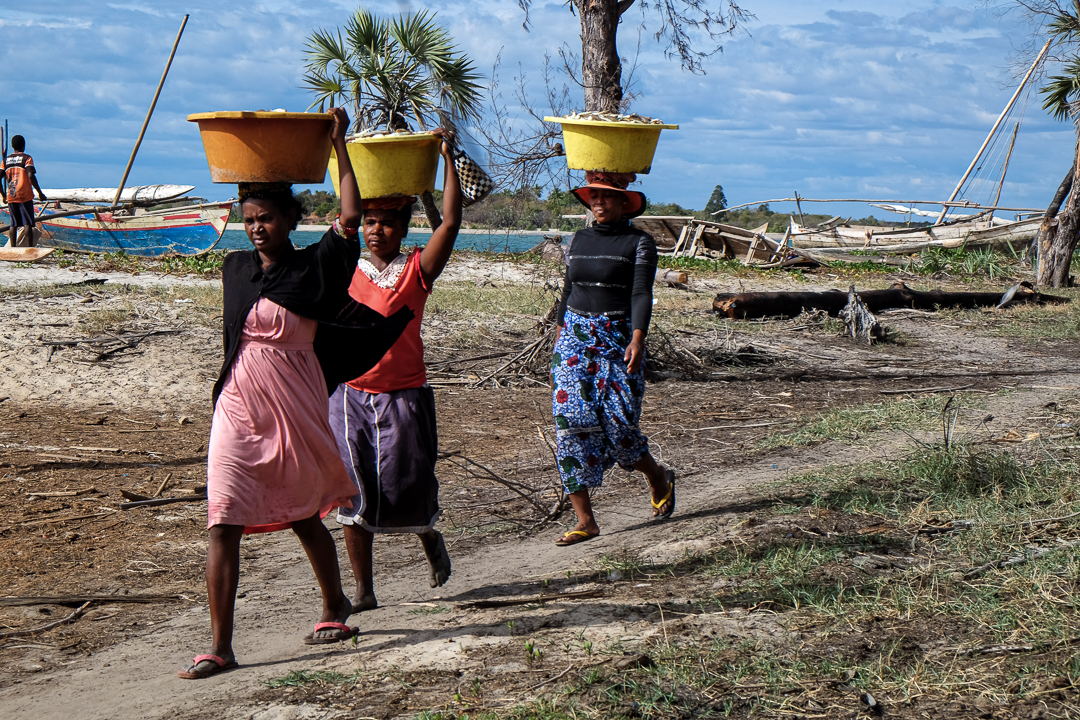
{"x": 610, "y": 270}
{"x": 312, "y": 282}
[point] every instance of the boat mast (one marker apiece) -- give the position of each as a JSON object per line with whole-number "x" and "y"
{"x": 1004, "y": 170}
{"x": 157, "y": 94}
{"x": 1001, "y": 117}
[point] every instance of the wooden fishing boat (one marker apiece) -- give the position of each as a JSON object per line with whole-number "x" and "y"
{"x": 186, "y": 231}
{"x": 979, "y": 232}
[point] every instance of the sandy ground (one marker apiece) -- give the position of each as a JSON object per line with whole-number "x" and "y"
{"x": 69, "y": 421}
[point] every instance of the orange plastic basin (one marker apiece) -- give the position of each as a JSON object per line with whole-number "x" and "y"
{"x": 266, "y": 146}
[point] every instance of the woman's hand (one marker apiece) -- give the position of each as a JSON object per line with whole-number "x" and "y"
{"x": 436, "y": 253}
{"x": 447, "y": 138}
{"x": 340, "y": 128}
{"x": 635, "y": 352}
{"x": 351, "y": 211}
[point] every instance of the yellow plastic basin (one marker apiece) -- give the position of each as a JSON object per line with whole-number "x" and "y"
{"x": 392, "y": 165}
{"x": 265, "y": 146}
{"x": 622, "y": 147}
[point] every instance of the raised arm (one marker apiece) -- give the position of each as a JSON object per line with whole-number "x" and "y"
{"x": 437, "y": 252}
{"x": 351, "y": 212}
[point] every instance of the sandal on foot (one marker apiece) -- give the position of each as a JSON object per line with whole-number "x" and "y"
{"x": 344, "y": 632}
{"x": 670, "y": 475}
{"x": 219, "y": 665}
{"x": 574, "y": 537}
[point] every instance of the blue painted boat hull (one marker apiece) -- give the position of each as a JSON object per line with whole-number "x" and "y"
{"x": 186, "y": 231}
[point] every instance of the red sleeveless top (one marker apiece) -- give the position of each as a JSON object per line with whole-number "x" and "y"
{"x": 403, "y": 365}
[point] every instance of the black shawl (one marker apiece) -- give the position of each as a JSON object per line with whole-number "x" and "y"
{"x": 312, "y": 282}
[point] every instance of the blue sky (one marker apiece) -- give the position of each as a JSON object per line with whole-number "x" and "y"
{"x": 839, "y": 99}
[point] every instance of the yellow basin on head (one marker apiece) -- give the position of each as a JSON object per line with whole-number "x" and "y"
{"x": 265, "y": 146}
{"x": 392, "y": 165}
{"x": 622, "y": 147}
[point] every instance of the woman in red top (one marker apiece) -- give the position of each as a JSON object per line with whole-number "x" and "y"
{"x": 384, "y": 420}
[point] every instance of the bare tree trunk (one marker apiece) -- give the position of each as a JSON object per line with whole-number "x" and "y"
{"x": 1044, "y": 239}
{"x": 1058, "y": 238}
{"x": 601, "y": 68}
{"x": 434, "y": 218}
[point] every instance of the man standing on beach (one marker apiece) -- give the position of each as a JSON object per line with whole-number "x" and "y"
{"x": 21, "y": 184}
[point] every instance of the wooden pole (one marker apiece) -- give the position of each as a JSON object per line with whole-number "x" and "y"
{"x": 997, "y": 124}
{"x": 1005, "y": 169}
{"x": 149, "y": 112}
{"x": 3, "y": 176}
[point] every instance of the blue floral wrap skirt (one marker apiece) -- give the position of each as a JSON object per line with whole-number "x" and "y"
{"x": 596, "y": 403}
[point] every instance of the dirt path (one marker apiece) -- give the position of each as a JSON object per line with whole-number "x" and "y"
{"x": 137, "y": 678}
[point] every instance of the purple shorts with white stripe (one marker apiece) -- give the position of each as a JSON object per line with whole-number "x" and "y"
{"x": 389, "y": 444}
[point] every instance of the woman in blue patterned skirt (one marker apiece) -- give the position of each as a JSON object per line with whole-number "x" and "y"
{"x": 598, "y": 368}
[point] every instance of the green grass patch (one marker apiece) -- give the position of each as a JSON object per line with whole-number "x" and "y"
{"x": 728, "y": 265}
{"x": 207, "y": 265}
{"x": 429, "y": 610}
{"x": 850, "y": 597}
{"x": 496, "y": 298}
{"x": 860, "y": 423}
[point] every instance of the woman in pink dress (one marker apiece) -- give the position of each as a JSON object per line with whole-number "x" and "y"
{"x": 272, "y": 461}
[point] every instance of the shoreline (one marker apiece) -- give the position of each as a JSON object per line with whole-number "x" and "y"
{"x": 471, "y": 231}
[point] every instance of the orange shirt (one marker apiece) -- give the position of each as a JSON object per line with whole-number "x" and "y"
{"x": 403, "y": 365}
{"x": 19, "y": 188}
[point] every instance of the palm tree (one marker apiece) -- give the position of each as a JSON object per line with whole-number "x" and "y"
{"x": 399, "y": 74}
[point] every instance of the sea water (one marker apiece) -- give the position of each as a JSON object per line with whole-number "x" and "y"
{"x": 485, "y": 240}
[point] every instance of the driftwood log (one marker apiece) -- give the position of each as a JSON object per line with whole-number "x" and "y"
{"x": 74, "y": 600}
{"x": 741, "y": 306}
{"x": 672, "y": 278}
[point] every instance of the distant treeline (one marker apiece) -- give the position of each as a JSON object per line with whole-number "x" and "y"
{"x": 528, "y": 210}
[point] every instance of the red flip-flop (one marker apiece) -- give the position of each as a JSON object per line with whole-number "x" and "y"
{"x": 220, "y": 665}
{"x": 344, "y": 632}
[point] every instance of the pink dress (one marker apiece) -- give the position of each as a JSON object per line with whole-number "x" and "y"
{"x": 272, "y": 459}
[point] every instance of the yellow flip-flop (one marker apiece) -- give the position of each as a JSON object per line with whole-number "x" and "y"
{"x": 670, "y": 496}
{"x": 574, "y": 537}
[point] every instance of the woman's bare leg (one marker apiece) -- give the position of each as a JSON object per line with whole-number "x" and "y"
{"x": 437, "y": 557}
{"x": 656, "y": 475}
{"x": 582, "y": 505}
{"x": 358, "y": 542}
{"x": 322, "y": 553}
{"x": 222, "y": 578}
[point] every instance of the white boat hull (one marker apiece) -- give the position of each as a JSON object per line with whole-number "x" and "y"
{"x": 140, "y": 194}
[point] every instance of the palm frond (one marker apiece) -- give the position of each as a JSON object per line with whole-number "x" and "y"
{"x": 395, "y": 73}
{"x": 366, "y": 32}
{"x": 324, "y": 49}
{"x": 1064, "y": 27}
{"x": 1061, "y": 91}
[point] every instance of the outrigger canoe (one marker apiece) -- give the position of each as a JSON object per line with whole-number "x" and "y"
{"x": 186, "y": 231}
